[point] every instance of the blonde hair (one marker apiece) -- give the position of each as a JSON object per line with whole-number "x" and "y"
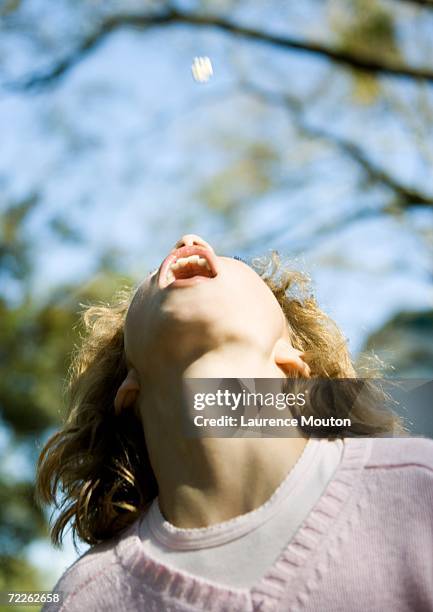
{"x": 96, "y": 470}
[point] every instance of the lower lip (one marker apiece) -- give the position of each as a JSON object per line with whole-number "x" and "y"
{"x": 186, "y": 282}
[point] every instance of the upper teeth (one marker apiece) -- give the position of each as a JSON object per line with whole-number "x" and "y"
{"x": 192, "y": 259}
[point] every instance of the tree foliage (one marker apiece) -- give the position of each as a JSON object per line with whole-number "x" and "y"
{"x": 366, "y": 62}
{"x": 37, "y": 336}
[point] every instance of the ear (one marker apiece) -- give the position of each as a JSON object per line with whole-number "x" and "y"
{"x": 127, "y": 392}
{"x": 290, "y": 360}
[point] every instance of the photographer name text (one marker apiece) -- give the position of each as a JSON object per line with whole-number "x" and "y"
{"x": 242, "y": 421}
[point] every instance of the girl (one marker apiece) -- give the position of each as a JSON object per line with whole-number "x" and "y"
{"x": 229, "y": 524}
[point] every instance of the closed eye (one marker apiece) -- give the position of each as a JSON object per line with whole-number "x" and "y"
{"x": 239, "y": 258}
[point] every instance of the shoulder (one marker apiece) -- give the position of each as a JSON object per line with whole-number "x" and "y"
{"x": 398, "y": 488}
{"x": 86, "y": 577}
{"x": 404, "y": 454}
{"x": 400, "y": 470}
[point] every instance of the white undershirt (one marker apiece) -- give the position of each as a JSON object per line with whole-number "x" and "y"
{"x": 238, "y": 552}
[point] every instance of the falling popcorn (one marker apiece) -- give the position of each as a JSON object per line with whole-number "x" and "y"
{"x": 202, "y": 69}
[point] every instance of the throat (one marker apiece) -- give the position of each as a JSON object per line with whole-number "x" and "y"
{"x": 216, "y": 492}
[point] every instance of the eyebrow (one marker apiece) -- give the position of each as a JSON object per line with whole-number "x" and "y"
{"x": 147, "y": 277}
{"x": 239, "y": 258}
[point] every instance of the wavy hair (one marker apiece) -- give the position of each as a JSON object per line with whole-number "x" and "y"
{"x": 96, "y": 471}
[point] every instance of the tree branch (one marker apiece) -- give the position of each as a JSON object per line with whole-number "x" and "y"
{"x": 88, "y": 43}
{"x": 344, "y": 58}
{"x": 405, "y": 195}
{"x": 423, "y": 3}
{"x": 300, "y": 245}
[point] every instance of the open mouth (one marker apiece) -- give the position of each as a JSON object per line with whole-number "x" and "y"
{"x": 187, "y": 265}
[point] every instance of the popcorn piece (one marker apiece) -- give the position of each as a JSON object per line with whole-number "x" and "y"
{"x": 201, "y": 69}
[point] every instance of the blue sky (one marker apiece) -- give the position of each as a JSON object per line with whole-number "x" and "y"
{"x": 126, "y": 147}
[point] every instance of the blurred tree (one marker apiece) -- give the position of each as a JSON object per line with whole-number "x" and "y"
{"x": 361, "y": 40}
{"x": 36, "y": 339}
{"x": 413, "y": 330}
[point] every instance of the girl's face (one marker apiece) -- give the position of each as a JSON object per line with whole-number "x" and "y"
{"x": 197, "y": 298}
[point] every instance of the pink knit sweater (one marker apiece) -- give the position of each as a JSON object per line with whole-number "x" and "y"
{"x": 367, "y": 545}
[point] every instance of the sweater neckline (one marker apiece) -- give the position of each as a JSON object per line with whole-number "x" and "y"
{"x": 280, "y": 578}
{"x": 178, "y": 538}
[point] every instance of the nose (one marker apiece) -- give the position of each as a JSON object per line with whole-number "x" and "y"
{"x": 191, "y": 240}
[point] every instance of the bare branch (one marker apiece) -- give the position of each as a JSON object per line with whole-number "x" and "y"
{"x": 423, "y": 3}
{"x": 344, "y": 58}
{"x": 88, "y": 43}
{"x": 406, "y": 196}
{"x": 298, "y": 246}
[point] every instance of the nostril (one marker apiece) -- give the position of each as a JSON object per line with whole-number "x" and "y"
{"x": 187, "y": 240}
{"x": 191, "y": 240}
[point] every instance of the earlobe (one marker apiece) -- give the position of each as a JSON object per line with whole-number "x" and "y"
{"x": 127, "y": 392}
{"x": 290, "y": 360}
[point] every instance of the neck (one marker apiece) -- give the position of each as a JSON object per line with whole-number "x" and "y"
{"x": 203, "y": 481}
